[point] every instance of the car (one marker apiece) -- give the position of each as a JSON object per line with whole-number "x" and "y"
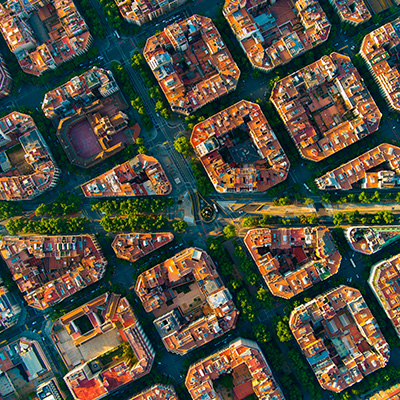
{"x": 358, "y": 276}
{"x": 350, "y": 279}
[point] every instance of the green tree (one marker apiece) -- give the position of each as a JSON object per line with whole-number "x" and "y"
{"x": 229, "y": 231}
{"x": 261, "y": 333}
{"x": 180, "y": 226}
{"x": 182, "y": 145}
{"x": 282, "y": 329}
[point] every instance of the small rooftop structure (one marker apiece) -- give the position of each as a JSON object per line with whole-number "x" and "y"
{"x": 157, "y": 392}
{"x": 103, "y": 346}
{"x": 133, "y": 246}
{"x": 292, "y": 260}
{"x": 383, "y": 159}
{"x": 186, "y": 295}
{"x": 48, "y": 269}
{"x": 243, "y": 359}
{"x": 340, "y": 338}
{"x": 191, "y": 63}
{"x": 219, "y": 142}
{"x": 325, "y": 107}
{"x": 140, "y": 176}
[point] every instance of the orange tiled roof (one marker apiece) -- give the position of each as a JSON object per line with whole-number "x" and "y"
{"x": 355, "y": 172}
{"x": 240, "y": 353}
{"x": 191, "y": 64}
{"x": 325, "y": 107}
{"x": 292, "y": 260}
{"x": 141, "y": 11}
{"x": 48, "y": 269}
{"x": 78, "y": 92}
{"x": 67, "y": 31}
{"x": 133, "y": 246}
{"x": 273, "y": 34}
{"x": 140, "y": 176}
{"x": 379, "y": 50}
{"x": 370, "y": 239}
{"x": 385, "y": 283}
{"x": 218, "y": 132}
{"x": 91, "y": 376}
{"x": 16, "y": 183}
{"x": 195, "y": 317}
{"x": 339, "y": 337}
{"x": 354, "y": 12}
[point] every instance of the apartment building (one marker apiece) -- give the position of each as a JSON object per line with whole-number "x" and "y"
{"x": 79, "y": 92}
{"x": 48, "y": 269}
{"x": 9, "y": 308}
{"x": 27, "y": 168}
{"x": 383, "y": 160}
{"x": 141, "y": 11}
{"x": 272, "y": 33}
{"x": 49, "y": 391}
{"x": 191, "y": 64}
{"x": 157, "y": 392}
{"x": 243, "y": 359}
{"x": 292, "y": 260}
{"x": 239, "y": 150}
{"x": 384, "y": 281}
{"x": 133, "y": 246}
{"x": 379, "y": 49}
{"x": 103, "y": 346}
{"x": 354, "y": 12}
{"x": 23, "y": 367}
{"x": 339, "y": 337}
{"x": 140, "y": 176}
{"x": 370, "y": 239}
{"x": 191, "y": 304}
{"x": 44, "y": 34}
{"x": 325, "y": 107}
{"x": 5, "y": 79}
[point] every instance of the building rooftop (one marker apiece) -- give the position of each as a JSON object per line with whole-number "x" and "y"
{"x": 292, "y": 260}
{"x": 325, "y": 107}
{"x": 79, "y": 92}
{"x": 157, "y": 392}
{"x": 354, "y": 174}
{"x": 48, "y": 269}
{"x": 27, "y": 168}
{"x": 370, "y": 239}
{"x": 243, "y": 359}
{"x": 354, "y": 12}
{"x": 49, "y": 391}
{"x": 340, "y": 338}
{"x": 43, "y": 35}
{"x": 225, "y": 145}
{"x": 5, "y": 79}
{"x": 191, "y": 304}
{"x": 103, "y": 346}
{"x": 23, "y": 367}
{"x": 191, "y": 64}
{"x": 273, "y": 34}
{"x": 133, "y": 246}
{"x": 9, "y": 309}
{"x": 140, "y": 176}
{"x": 141, "y": 11}
{"x": 379, "y": 49}
{"x": 97, "y": 131}
{"x": 385, "y": 283}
